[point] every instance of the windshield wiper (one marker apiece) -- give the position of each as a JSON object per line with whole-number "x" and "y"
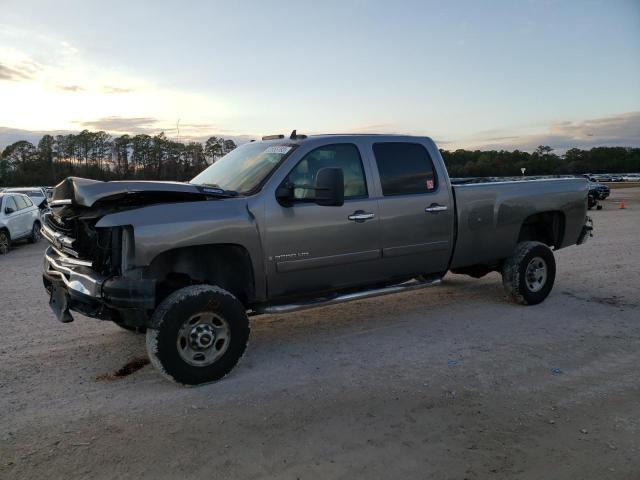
{"x": 215, "y": 189}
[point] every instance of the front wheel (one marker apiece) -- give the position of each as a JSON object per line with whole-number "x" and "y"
{"x": 5, "y": 242}
{"x": 528, "y": 275}
{"x": 35, "y": 233}
{"x": 198, "y": 334}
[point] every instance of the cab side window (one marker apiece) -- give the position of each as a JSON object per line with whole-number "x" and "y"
{"x": 343, "y": 155}
{"x": 405, "y": 168}
{"x": 28, "y": 200}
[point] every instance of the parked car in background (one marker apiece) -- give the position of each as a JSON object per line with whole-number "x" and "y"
{"x": 38, "y": 195}
{"x": 601, "y": 178}
{"x": 592, "y": 201}
{"x": 19, "y": 219}
{"x": 600, "y": 190}
{"x": 605, "y": 178}
{"x": 631, "y": 177}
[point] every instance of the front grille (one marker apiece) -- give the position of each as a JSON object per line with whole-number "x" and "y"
{"x": 58, "y": 225}
{"x": 64, "y": 234}
{"x": 83, "y": 241}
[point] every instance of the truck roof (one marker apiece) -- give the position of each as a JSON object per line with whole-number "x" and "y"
{"x": 298, "y": 139}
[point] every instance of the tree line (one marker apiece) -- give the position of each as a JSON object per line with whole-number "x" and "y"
{"x": 543, "y": 161}
{"x": 100, "y": 156}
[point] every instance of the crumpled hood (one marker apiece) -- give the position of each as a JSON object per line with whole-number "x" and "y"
{"x": 85, "y": 192}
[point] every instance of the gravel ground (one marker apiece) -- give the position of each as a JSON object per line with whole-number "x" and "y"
{"x": 452, "y": 382}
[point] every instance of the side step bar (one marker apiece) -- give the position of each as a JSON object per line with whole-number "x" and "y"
{"x": 414, "y": 284}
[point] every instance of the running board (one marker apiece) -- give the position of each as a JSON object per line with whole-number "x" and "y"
{"x": 414, "y": 284}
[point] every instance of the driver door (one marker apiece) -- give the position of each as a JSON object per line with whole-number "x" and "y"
{"x": 313, "y": 248}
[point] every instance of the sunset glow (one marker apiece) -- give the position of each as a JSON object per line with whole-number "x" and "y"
{"x": 534, "y": 73}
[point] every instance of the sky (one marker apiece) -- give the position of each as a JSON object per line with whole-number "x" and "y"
{"x": 470, "y": 74}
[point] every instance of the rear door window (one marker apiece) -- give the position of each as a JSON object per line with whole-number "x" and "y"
{"x": 20, "y": 201}
{"x": 404, "y": 168}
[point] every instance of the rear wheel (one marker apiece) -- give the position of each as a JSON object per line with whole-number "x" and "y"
{"x": 5, "y": 242}
{"x": 198, "y": 334}
{"x": 528, "y": 275}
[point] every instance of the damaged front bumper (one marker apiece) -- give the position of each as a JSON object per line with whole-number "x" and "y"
{"x": 73, "y": 285}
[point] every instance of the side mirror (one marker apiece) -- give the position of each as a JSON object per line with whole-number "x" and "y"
{"x": 329, "y": 187}
{"x": 9, "y": 210}
{"x": 284, "y": 194}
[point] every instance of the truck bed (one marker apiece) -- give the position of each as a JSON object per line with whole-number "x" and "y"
{"x": 490, "y": 213}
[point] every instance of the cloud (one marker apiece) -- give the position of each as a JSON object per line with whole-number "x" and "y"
{"x": 68, "y": 49}
{"x": 11, "y": 135}
{"x": 625, "y": 127}
{"x": 71, "y": 88}
{"x": 622, "y": 130}
{"x": 24, "y": 71}
{"x": 109, "y": 89}
{"x": 122, "y": 124}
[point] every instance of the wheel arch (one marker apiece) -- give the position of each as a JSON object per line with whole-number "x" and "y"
{"x": 227, "y": 265}
{"x": 546, "y": 227}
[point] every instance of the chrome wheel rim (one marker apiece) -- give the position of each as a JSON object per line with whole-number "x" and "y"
{"x": 536, "y": 274}
{"x": 203, "y": 338}
{"x": 4, "y": 243}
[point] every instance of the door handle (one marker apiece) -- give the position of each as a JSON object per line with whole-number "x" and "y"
{"x": 360, "y": 216}
{"x": 435, "y": 208}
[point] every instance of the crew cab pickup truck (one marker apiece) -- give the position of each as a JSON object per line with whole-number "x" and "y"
{"x": 288, "y": 223}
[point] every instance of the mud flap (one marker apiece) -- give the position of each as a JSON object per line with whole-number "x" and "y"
{"x": 587, "y": 231}
{"x": 59, "y": 303}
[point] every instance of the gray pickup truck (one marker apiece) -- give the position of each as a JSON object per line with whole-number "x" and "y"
{"x": 289, "y": 223}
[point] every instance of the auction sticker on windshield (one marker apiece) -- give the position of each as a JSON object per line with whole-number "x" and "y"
{"x": 281, "y": 149}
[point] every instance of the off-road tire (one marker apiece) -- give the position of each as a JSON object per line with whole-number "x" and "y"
{"x": 5, "y": 242}
{"x": 130, "y": 328}
{"x": 171, "y": 316}
{"x": 514, "y": 273}
{"x": 35, "y": 232}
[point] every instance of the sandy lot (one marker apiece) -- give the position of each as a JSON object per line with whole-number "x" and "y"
{"x": 448, "y": 383}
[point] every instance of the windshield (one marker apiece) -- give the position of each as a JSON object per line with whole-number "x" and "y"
{"x": 243, "y": 169}
{"x": 31, "y": 193}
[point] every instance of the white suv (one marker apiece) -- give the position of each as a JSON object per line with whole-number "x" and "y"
{"x": 19, "y": 218}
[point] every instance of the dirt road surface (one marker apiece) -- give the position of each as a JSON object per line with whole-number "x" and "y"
{"x": 448, "y": 383}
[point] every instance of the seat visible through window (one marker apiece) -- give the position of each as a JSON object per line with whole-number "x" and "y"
{"x": 345, "y": 156}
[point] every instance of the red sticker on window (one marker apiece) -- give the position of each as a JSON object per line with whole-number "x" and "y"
{"x": 429, "y": 184}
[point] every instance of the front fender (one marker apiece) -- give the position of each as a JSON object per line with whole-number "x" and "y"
{"x": 161, "y": 227}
